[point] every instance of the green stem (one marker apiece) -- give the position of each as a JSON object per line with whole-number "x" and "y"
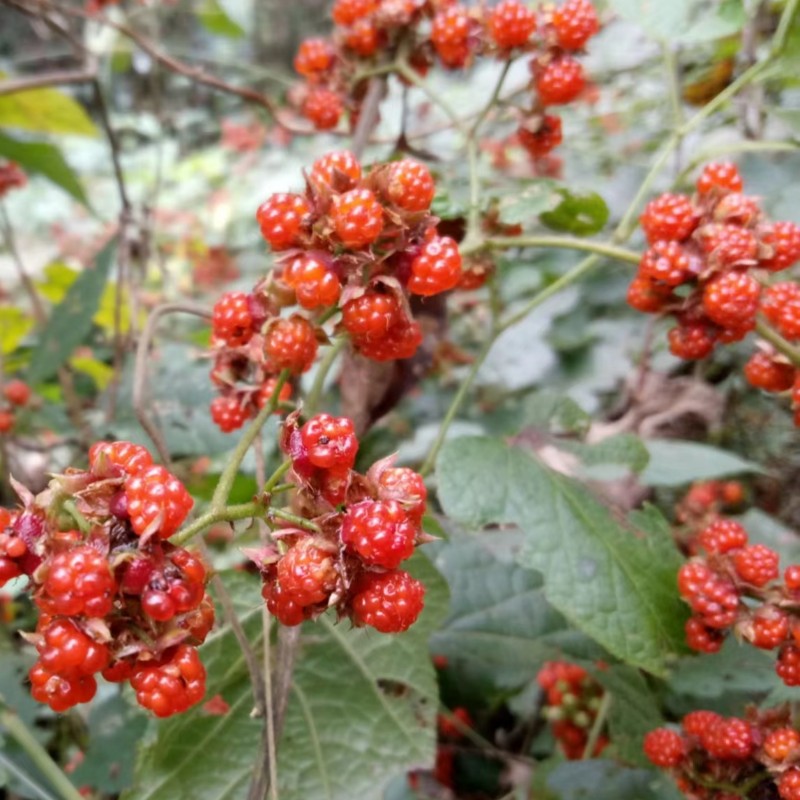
{"x": 271, "y": 486}
{"x": 299, "y": 522}
{"x": 498, "y": 87}
{"x": 597, "y": 726}
{"x": 406, "y": 72}
{"x": 312, "y": 400}
{"x": 768, "y": 333}
{"x": 38, "y": 755}
{"x": 228, "y": 476}
{"x": 564, "y": 243}
{"x": 671, "y": 67}
{"x": 784, "y": 27}
{"x": 212, "y": 517}
{"x": 84, "y": 526}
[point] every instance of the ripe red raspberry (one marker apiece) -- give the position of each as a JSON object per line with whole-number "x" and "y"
{"x": 789, "y": 784}
{"x": 692, "y": 339}
{"x": 330, "y": 442}
{"x": 647, "y": 295}
{"x": 702, "y": 638}
{"x": 172, "y": 684}
{"x": 756, "y": 564}
{"x": 380, "y": 532}
{"x": 67, "y": 651}
{"x": 436, "y": 268}
{"x": 780, "y": 304}
{"x": 6, "y": 421}
{"x": 719, "y": 178}
{"x": 364, "y": 38}
{"x": 574, "y": 23}
{"x": 313, "y": 280}
{"x": 730, "y": 739}
{"x": 764, "y": 371}
{"x": 450, "y": 32}
{"x": 358, "y": 217}
{"x": 737, "y": 209}
{"x": 667, "y": 262}
{"x": 711, "y": 596}
{"x": 560, "y": 81}
{"x": 770, "y": 628}
{"x": 339, "y": 170}
{"x": 228, "y": 414}
{"x": 791, "y": 577}
{"x": 267, "y": 389}
{"x": 664, "y": 747}
{"x": 371, "y": 315}
{"x": 323, "y": 107}
{"x": 314, "y": 57}
{"x": 291, "y": 343}
{"x": 783, "y": 241}
{"x": 697, "y": 723}
{"x": 782, "y": 743}
{"x": 410, "y": 185}
{"x": 402, "y": 341}
{"x": 307, "y": 573}
{"x": 58, "y": 692}
{"x": 231, "y": 320}
{"x": 78, "y": 581}
{"x": 157, "y": 502}
{"x": 788, "y": 665}
{"x": 722, "y": 536}
{"x": 130, "y": 458}
{"x": 17, "y": 392}
{"x": 728, "y": 245}
{"x": 731, "y": 299}
{"x": 176, "y": 587}
{"x": 282, "y": 218}
{"x": 669, "y": 217}
{"x": 283, "y": 606}
{"x": 390, "y": 602}
{"x": 545, "y": 137}
{"x": 406, "y": 487}
{"x": 346, "y": 12}
{"x": 511, "y": 24}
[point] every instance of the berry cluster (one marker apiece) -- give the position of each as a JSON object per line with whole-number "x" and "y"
{"x": 714, "y": 757}
{"x": 706, "y": 499}
{"x": 366, "y": 526}
{"x": 114, "y": 597}
{"x": 367, "y": 31}
{"x": 729, "y": 572}
{"x": 572, "y": 700}
{"x": 11, "y": 177}
{"x": 709, "y": 255}
{"x": 17, "y": 394}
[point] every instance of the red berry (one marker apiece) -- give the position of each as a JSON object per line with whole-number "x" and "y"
{"x": 58, "y": 692}
{"x": 402, "y": 341}
{"x": 282, "y": 218}
{"x": 67, "y": 651}
{"x": 283, "y": 606}
{"x": 291, "y": 343}
{"x": 323, "y": 107}
{"x": 267, "y": 389}
{"x": 339, "y": 170}
{"x": 231, "y": 320}
{"x": 560, "y": 81}
{"x": 358, "y": 217}
{"x": 669, "y": 217}
{"x": 450, "y": 32}
{"x": 667, "y": 262}
{"x": 346, "y": 12}
{"x": 330, "y": 442}
{"x": 314, "y": 57}
{"x": 78, "y": 581}
{"x": 157, "y": 502}
{"x": 756, "y": 564}
{"x": 731, "y": 299}
{"x": 789, "y": 784}
{"x": 6, "y": 421}
{"x": 130, "y": 458}
{"x": 764, "y": 371}
{"x": 710, "y": 596}
{"x": 307, "y": 573}
{"x": 410, "y": 185}
{"x": 692, "y": 339}
{"x": 702, "y": 638}
{"x": 770, "y": 628}
{"x": 780, "y": 304}
{"x": 783, "y": 241}
{"x": 737, "y": 209}
{"x": 228, "y": 414}
{"x": 314, "y": 282}
{"x": 172, "y": 684}
{"x": 720, "y": 178}
{"x": 17, "y": 392}
{"x": 781, "y": 744}
{"x": 545, "y": 137}
{"x": 511, "y": 24}
{"x": 722, "y": 536}
{"x": 575, "y": 22}
{"x": 363, "y": 38}
{"x": 371, "y": 315}
{"x": 436, "y": 268}
{"x": 697, "y": 723}
{"x": 729, "y": 739}
{"x": 791, "y": 577}
{"x": 728, "y": 245}
{"x": 647, "y": 295}
{"x": 664, "y": 747}
{"x": 390, "y": 602}
{"x": 381, "y": 533}
{"x": 788, "y": 665}
{"x": 406, "y": 487}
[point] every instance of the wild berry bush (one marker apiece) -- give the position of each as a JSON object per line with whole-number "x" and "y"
{"x": 340, "y": 459}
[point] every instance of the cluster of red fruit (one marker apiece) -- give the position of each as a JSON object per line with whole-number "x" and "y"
{"x": 17, "y": 394}
{"x": 572, "y": 700}
{"x": 706, "y": 499}
{"x": 723, "y": 758}
{"x": 364, "y": 526}
{"x": 709, "y": 256}
{"x": 717, "y": 584}
{"x": 115, "y": 598}
{"x": 11, "y": 177}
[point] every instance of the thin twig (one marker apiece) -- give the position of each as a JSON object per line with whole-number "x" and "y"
{"x": 368, "y": 115}
{"x": 45, "y": 79}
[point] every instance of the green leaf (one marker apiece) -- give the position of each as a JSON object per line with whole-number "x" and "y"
{"x": 15, "y": 325}
{"x": 523, "y": 206}
{"x": 604, "y": 780}
{"x": 45, "y": 111}
{"x": 609, "y": 458}
{"x": 662, "y": 20}
{"x": 362, "y": 709}
{"x": 581, "y": 214}
{"x": 39, "y": 158}
{"x": 215, "y": 19}
{"x": 674, "y": 463}
{"x": 601, "y": 576}
{"x": 719, "y": 20}
{"x": 71, "y": 320}
{"x": 100, "y": 372}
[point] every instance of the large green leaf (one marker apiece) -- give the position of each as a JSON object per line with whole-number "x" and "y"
{"x": 605, "y": 578}
{"x": 674, "y": 463}
{"x": 599, "y": 779}
{"x": 45, "y": 111}
{"x": 362, "y": 709}
{"x": 71, "y": 320}
{"x": 39, "y": 158}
